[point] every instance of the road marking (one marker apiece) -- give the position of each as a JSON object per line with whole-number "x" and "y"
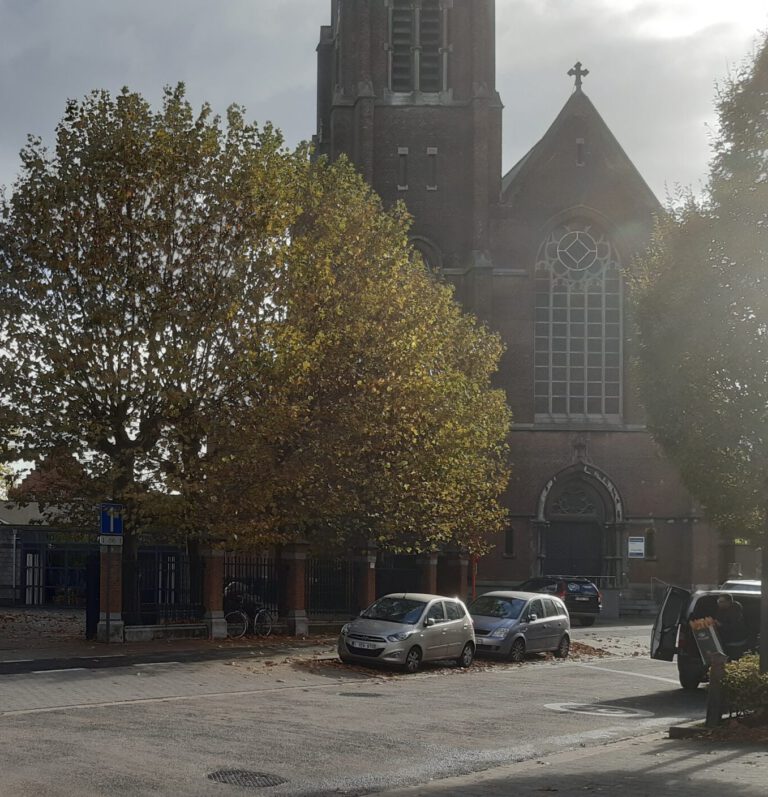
{"x": 599, "y": 710}
{"x": 625, "y": 672}
{"x": 156, "y": 663}
{"x": 63, "y": 669}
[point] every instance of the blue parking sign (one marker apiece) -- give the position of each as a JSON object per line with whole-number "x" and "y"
{"x": 112, "y": 519}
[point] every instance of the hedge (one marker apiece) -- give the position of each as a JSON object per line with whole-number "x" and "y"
{"x": 745, "y": 690}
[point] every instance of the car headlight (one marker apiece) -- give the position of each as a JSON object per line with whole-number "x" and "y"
{"x": 399, "y": 637}
{"x": 499, "y": 633}
{"x": 345, "y": 629}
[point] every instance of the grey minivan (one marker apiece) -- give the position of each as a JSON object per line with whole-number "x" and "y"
{"x": 511, "y": 624}
{"x": 407, "y": 628}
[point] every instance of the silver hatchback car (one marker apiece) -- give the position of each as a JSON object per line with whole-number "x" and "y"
{"x": 511, "y": 624}
{"x": 406, "y": 628}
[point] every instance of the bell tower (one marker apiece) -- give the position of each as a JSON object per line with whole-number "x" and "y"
{"x": 406, "y": 90}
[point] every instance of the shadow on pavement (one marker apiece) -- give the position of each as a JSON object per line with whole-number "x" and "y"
{"x": 667, "y": 769}
{"x": 664, "y": 703}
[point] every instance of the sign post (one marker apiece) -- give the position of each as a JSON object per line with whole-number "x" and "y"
{"x": 111, "y": 534}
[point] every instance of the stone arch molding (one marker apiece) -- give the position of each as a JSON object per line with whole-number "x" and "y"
{"x": 429, "y": 251}
{"x": 594, "y": 476}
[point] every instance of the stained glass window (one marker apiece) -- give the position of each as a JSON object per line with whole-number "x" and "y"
{"x": 578, "y": 325}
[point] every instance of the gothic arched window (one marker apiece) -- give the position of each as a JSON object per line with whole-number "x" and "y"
{"x": 417, "y": 45}
{"x": 578, "y": 325}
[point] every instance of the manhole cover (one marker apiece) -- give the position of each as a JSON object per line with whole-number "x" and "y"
{"x": 360, "y": 694}
{"x": 620, "y": 712}
{"x": 246, "y": 778}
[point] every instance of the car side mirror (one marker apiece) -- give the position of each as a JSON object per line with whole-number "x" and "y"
{"x": 532, "y": 618}
{"x": 430, "y": 621}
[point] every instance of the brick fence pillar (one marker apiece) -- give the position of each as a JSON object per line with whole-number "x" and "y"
{"x": 429, "y": 573}
{"x": 293, "y": 605}
{"x": 452, "y": 571}
{"x": 213, "y": 593}
{"x": 365, "y": 578}
{"x": 111, "y": 627}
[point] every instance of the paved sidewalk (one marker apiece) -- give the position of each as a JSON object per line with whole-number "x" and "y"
{"x": 42, "y": 638}
{"x": 20, "y": 656}
{"x": 648, "y": 766}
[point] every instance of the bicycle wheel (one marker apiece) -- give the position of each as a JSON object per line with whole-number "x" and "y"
{"x": 237, "y": 624}
{"x": 262, "y": 623}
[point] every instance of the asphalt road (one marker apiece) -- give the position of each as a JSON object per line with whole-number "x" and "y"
{"x": 157, "y": 728}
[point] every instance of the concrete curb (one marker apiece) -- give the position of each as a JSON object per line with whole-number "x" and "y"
{"x": 688, "y": 730}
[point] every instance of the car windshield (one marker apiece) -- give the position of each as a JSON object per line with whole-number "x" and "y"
{"x": 395, "y": 610}
{"x": 490, "y": 606}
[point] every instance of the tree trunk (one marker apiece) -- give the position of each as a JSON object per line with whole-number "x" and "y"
{"x": 764, "y": 605}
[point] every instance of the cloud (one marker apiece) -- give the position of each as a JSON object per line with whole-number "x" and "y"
{"x": 653, "y": 65}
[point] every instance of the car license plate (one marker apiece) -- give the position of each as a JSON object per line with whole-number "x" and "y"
{"x": 365, "y": 645}
{"x": 582, "y": 599}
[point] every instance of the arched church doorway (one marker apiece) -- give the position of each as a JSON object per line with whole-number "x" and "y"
{"x": 580, "y": 519}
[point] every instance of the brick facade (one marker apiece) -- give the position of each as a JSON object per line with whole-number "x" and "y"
{"x": 440, "y": 153}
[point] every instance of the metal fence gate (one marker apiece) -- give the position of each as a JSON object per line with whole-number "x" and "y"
{"x": 398, "y": 573}
{"x": 329, "y": 587}
{"x": 169, "y": 586}
{"x": 255, "y": 577}
{"x": 54, "y": 575}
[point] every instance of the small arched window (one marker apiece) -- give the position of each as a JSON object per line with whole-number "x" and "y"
{"x": 578, "y": 325}
{"x": 430, "y": 254}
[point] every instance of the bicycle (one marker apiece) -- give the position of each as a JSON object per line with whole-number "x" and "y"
{"x": 239, "y": 622}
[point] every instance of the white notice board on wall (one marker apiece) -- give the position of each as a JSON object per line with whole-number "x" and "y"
{"x": 636, "y": 549}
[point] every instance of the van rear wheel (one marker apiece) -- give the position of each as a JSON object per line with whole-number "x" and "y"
{"x": 689, "y": 681}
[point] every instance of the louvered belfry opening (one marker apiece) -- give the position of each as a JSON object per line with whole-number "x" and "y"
{"x": 402, "y": 45}
{"x": 417, "y": 45}
{"x": 430, "y": 40}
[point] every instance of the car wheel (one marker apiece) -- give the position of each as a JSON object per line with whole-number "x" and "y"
{"x": 564, "y": 648}
{"x": 587, "y": 621}
{"x": 467, "y": 656}
{"x": 689, "y": 680}
{"x": 413, "y": 660}
{"x": 346, "y": 660}
{"x": 517, "y": 651}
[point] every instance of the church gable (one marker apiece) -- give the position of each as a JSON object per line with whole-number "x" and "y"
{"x": 578, "y": 163}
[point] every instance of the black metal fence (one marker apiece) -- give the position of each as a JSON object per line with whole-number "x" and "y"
{"x": 49, "y": 574}
{"x": 169, "y": 587}
{"x": 330, "y": 587}
{"x": 398, "y": 573}
{"x": 255, "y": 577}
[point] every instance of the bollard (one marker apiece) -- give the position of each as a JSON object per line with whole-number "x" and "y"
{"x": 715, "y": 695}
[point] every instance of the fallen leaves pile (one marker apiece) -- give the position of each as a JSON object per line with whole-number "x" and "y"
{"x": 744, "y": 730}
{"x": 41, "y": 624}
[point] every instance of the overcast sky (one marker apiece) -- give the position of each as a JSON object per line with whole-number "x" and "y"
{"x": 654, "y": 65}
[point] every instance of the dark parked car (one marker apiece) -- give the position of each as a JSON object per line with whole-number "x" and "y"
{"x": 580, "y": 596}
{"x": 672, "y": 635}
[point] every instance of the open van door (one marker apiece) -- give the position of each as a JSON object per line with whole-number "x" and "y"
{"x": 672, "y": 613}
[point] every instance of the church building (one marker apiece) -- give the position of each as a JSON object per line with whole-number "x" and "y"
{"x": 407, "y": 91}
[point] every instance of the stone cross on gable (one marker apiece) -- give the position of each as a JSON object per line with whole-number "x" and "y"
{"x": 578, "y": 73}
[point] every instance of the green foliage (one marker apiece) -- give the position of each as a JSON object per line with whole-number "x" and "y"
{"x": 701, "y": 303}
{"x": 745, "y": 689}
{"x": 233, "y": 339}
